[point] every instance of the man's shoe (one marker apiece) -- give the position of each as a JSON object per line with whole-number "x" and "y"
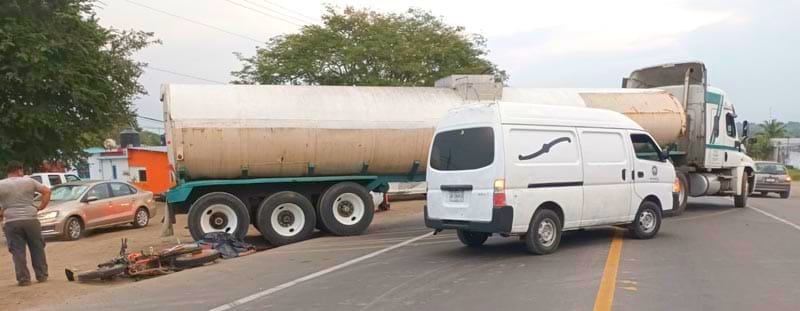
{"x": 24, "y": 283}
{"x": 42, "y": 279}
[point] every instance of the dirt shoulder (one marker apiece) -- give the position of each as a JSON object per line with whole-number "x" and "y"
{"x": 103, "y": 244}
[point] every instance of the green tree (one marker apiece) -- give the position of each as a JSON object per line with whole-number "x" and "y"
{"x": 64, "y": 79}
{"x": 364, "y": 47}
{"x": 760, "y": 147}
{"x": 773, "y": 129}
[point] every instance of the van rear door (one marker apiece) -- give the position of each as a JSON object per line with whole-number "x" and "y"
{"x": 461, "y": 174}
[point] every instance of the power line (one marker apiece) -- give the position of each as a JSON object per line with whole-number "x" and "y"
{"x": 149, "y": 118}
{"x": 184, "y": 75}
{"x": 263, "y": 13}
{"x": 194, "y": 21}
{"x": 314, "y": 19}
{"x": 278, "y": 12}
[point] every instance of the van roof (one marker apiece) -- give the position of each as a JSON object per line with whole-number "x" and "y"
{"x": 553, "y": 115}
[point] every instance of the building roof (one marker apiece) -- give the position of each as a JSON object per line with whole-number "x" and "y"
{"x": 150, "y": 148}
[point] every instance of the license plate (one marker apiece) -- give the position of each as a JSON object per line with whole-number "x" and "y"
{"x": 771, "y": 180}
{"x": 455, "y": 196}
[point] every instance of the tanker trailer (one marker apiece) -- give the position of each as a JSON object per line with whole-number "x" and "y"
{"x": 291, "y": 158}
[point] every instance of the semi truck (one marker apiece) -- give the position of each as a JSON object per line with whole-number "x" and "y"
{"x": 289, "y": 159}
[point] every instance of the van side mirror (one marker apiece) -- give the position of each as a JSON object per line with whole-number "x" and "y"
{"x": 664, "y": 155}
{"x": 745, "y": 129}
{"x": 90, "y": 199}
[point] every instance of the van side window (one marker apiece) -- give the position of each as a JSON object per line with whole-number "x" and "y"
{"x": 730, "y": 125}
{"x": 54, "y": 179}
{"x": 463, "y": 149}
{"x": 645, "y": 148}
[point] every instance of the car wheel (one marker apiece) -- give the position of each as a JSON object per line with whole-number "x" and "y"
{"x": 785, "y": 195}
{"x": 141, "y": 218}
{"x": 472, "y": 239}
{"x": 346, "y": 209}
{"x": 647, "y": 221}
{"x": 73, "y": 229}
{"x": 218, "y": 212}
{"x": 286, "y": 217}
{"x": 741, "y": 200}
{"x": 544, "y": 233}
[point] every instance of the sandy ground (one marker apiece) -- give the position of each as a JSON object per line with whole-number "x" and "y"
{"x": 103, "y": 244}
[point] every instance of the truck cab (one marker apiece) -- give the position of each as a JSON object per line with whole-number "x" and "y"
{"x": 710, "y": 158}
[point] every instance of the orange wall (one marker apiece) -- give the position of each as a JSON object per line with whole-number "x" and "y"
{"x": 157, "y": 167}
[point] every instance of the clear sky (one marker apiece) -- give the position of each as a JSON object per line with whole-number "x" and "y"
{"x": 750, "y": 46}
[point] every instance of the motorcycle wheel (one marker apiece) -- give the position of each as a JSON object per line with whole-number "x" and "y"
{"x": 102, "y": 273}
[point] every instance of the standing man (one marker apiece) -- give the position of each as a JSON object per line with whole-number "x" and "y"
{"x": 20, "y": 223}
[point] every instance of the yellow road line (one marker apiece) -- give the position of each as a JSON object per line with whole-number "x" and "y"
{"x": 605, "y": 294}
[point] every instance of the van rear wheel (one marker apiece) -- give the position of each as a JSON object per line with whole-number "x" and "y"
{"x": 544, "y": 233}
{"x": 471, "y": 238}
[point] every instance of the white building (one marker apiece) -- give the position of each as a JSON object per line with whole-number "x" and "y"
{"x": 786, "y": 151}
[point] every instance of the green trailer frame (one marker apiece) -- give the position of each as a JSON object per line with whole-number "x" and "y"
{"x": 377, "y": 183}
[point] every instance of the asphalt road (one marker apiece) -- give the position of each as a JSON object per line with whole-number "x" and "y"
{"x": 713, "y": 257}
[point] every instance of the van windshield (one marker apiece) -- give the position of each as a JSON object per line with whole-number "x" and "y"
{"x": 463, "y": 149}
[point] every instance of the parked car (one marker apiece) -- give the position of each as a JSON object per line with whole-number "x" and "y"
{"x": 54, "y": 179}
{"x": 772, "y": 177}
{"x": 84, "y": 205}
{"x": 537, "y": 170}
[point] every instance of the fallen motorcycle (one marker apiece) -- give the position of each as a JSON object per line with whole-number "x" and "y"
{"x": 140, "y": 264}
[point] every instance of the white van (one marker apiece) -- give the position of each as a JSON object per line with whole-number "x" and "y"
{"x": 537, "y": 170}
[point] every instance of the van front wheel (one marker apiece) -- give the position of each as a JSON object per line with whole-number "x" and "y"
{"x": 647, "y": 221}
{"x": 544, "y": 233}
{"x": 472, "y": 239}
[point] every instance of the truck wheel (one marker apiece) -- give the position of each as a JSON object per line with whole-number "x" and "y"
{"x": 472, "y": 239}
{"x": 683, "y": 196}
{"x": 218, "y": 212}
{"x": 741, "y": 200}
{"x": 346, "y": 209}
{"x": 544, "y": 233}
{"x": 785, "y": 195}
{"x": 647, "y": 221}
{"x": 286, "y": 217}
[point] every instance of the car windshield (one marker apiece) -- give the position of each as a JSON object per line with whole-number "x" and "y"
{"x": 770, "y": 168}
{"x": 67, "y": 192}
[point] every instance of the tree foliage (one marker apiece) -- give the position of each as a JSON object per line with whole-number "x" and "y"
{"x": 364, "y": 47}
{"x": 64, "y": 79}
{"x": 760, "y": 147}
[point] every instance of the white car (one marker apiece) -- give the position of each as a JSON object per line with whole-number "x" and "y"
{"x": 537, "y": 170}
{"x": 54, "y": 179}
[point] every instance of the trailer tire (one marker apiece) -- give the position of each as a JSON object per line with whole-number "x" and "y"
{"x": 741, "y": 200}
{"x": 346, "y": 208}
{"x": 218, "y": 212}
{"x": 286, "y": 217}
{"x": 683, "y": 196}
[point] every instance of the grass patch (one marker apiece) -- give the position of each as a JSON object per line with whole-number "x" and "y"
{"x": 795, "y": 173}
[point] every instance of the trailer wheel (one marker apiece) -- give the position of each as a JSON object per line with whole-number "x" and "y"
{"x": 346, "y": 209}
{"x": 286, "y": 217}
{"x": 218, "y": 212}
{"x": 741, "y": 200}
{"x": 683, "y": 196}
